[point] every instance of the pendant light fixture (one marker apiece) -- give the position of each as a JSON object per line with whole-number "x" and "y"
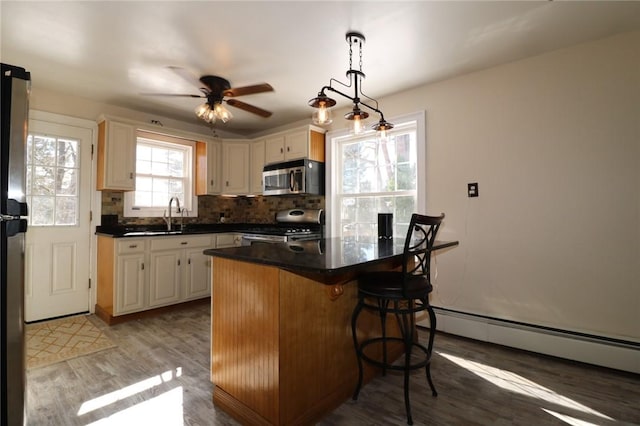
{"x": 357, "y": 116}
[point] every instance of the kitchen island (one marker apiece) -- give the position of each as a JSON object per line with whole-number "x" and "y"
{"x": 281, "y": 346}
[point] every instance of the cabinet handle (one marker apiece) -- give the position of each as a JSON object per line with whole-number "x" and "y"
{"x": 133, "y": 246}
{"x": 189, "y": 261}
{"x": 142, "y": 268}
{"x": 178, "y": 262}
{"x": 288, "y": 149}
{"x": 184, "y": 243}
{"x": 211, "y": 182}
{"x": 227, "y": 183}
{"x": 130, "y": 175}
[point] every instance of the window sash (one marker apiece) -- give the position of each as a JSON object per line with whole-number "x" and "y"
{"x": 157, "y": 175}
{"x": 401, "y": 198}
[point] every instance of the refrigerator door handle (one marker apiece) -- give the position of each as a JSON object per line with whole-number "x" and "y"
{"x": 16, "y": 208}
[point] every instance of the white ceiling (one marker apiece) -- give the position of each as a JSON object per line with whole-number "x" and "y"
{"x": 112, "y": 51}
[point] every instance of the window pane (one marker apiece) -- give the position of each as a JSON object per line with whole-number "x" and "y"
{"x": 41, "y": 212}
{"x": 43, "y": 182}
{"x": 67, "y": 181}
{"x": 66, "y": 210}
{"x": 143, "y": 153}
{"x": 44, "y": 151}
{"x": 67, "y": 153}
{"x": 407, "y": 176}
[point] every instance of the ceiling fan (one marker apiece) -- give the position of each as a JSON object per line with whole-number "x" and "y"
{"x": 214, "y": 89}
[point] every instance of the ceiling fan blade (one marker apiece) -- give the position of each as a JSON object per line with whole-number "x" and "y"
{"x": 249, "y": 108}
{"x": 186, "y": 75}
{"x": 181, "y": 95}
{"x": 248, "y": 90}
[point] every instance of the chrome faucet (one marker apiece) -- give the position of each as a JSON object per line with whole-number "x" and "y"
{"x": 178, "y": 209}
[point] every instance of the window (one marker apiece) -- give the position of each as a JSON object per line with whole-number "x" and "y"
{"x": 164, "y": 169}
{"x": 53, "y": 167}
{"x": 371, "y": 177}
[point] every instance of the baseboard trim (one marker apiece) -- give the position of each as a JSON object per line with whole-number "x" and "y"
{"x": 597, "y": 350}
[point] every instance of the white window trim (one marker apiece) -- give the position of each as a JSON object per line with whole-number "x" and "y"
{"x": 191, "y": 208}
{"x": 332, "y": 181}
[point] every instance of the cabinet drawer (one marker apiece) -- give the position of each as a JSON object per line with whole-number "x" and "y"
{"x": 130, "y": 246}
{"x": 178, "y": 242}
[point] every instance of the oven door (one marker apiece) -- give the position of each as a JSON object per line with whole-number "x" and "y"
{"x": 248, "y": 239}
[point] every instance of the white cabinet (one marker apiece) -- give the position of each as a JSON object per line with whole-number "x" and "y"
{"x": 304, "y": 142}
{"x": 235, "y": 168}
{"x": 164, "y": 277}
{"x": 197, "y": 281}
{"x": 208, "y": 168}
{"x": 130, "y": 276}
{"x": 179, "y": 270}
{"x": 116, "y": 167}
{"x": 257, "y": 165}
{"x": 145, "y": 273}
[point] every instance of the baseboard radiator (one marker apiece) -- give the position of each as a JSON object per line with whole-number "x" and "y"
{"x": 597, "y": 350}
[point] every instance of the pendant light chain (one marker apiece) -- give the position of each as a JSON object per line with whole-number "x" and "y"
{"x": 360, "y": 56}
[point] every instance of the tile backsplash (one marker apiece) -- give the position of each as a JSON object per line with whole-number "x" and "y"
{"x": 257, "y": 209}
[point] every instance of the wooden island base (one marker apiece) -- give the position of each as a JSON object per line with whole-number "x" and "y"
{"x": 282, "y": 351}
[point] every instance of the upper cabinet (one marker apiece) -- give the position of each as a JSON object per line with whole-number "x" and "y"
{"x": 307, "y": 142}
{"x": 208, "y": 168}
{"x": 116, "y": 156}
{"x": 235, "y": 168}
{"x": 256, "y": 166}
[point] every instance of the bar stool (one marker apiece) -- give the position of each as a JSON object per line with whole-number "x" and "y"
{"x": 403, "y": 294}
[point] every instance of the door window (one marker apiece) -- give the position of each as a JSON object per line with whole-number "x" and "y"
{"x": 53, "y": 167}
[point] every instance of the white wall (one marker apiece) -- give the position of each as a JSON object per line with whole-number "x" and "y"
{"x": 554, "y": 143}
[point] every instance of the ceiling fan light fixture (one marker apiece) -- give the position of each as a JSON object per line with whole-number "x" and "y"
{"x": 202, "y": 110}
{"x": 222, "y": 113}
{"x": 322, "y": 102}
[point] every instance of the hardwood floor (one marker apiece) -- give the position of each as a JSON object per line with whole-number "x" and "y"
{"x": 159, "y": 374}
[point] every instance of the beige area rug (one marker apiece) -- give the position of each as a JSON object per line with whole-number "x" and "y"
{"x": 62, "y": 339}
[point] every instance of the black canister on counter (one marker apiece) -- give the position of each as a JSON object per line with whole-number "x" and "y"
{"x": 385, "y": 226}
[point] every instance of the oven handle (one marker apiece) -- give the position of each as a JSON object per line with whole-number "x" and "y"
{"x": 255, "y": 237}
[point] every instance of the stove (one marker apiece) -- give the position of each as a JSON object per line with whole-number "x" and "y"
{"x": 292, "y": 225}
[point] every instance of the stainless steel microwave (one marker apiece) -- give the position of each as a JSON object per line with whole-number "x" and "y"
{"x": 293, "y": 177}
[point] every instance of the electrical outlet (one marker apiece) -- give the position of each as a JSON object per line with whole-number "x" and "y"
{"x": 472, "y": 189}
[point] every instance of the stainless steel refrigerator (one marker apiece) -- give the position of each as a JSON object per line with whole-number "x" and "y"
{"x": 14, "y": 93}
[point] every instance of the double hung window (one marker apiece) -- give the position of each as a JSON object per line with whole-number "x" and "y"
{"x": 164, "y": 169}
{"x": 374, "y": 176}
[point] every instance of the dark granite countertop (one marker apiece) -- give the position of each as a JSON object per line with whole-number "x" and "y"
{"x": 328, "y": 256}
{"x": 132, "y": 231}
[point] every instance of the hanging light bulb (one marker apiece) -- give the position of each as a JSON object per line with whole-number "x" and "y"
{"x": 202, "y": 110}
{"x": 323, "y": 114}
{"x": 382, "y": 127}
{"x": 210, "y": 116}
{"x": 357, "y": 116}
{"x": 222, "y": 113}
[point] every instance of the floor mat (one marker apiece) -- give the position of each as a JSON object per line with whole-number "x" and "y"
{"x": 62, "y": 339}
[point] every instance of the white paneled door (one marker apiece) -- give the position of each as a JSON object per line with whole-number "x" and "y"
{"x": 58, "y": 241}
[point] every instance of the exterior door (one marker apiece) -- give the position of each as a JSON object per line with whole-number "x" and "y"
{"x": 58, "y": 241}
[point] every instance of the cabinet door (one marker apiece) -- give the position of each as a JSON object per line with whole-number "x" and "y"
{"x": 235, "y": 168}
{"x": 257, "y": 164}
{"x": 296, "y": 145}
{"x": 274, "y": 149}
{"x": 130, "y": 278}
{"x": 214, "y": 169}
{"x": 116, "y": 156}
{"x": 198, "y": 274}
{"x": 164, "y": 277}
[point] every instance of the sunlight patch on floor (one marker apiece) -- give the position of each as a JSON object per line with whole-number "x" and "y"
{"x": 128, "y": 391}
{"x": 516, "y": 383}
{"x": 569, "y": 420}
{"x": 165, "y": 409}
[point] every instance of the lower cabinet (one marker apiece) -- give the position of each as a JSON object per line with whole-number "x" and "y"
{"x": 140, "y": 274}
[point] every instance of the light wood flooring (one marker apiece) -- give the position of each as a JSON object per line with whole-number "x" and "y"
{"x": 159, "y": 374}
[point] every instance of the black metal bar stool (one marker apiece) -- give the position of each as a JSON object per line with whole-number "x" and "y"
{"x": 403, "y": 294}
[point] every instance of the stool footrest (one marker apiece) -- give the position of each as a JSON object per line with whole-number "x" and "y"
{"x": 401, "y": 367}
